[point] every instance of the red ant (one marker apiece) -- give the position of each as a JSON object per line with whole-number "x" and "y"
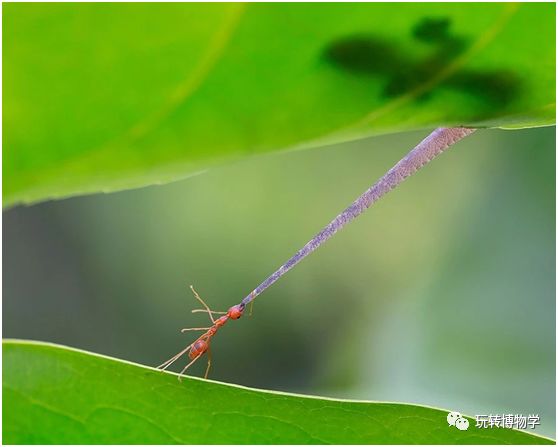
{"x": 202, "y": 345}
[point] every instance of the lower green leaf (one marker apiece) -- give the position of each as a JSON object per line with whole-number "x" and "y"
{"x": 57, "y": 395}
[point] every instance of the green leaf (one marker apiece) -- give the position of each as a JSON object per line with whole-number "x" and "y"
{"x": 102, "y": 97}
{"x": 53, "y": 394}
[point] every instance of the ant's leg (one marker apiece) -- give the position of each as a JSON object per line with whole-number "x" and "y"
{"x": 186, "y": 329}
{"x": 208, "y": 363}
{"x": 186, "y": 367}
{"x": 209, "y": 312}
{"x": 170, "y": 361}
{"x": 252, "y": 296}
{"x": 205, "y": 311}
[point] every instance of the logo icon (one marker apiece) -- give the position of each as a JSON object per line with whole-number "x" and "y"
{"x": 454, "y": 418}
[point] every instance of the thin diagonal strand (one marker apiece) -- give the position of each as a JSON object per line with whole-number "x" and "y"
{"x": 432, "y": 146}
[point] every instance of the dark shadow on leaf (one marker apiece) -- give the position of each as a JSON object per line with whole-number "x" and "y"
{"x": 401, "y": 72}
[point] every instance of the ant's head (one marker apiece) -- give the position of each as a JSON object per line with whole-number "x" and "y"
{"x": 235, "y": 312}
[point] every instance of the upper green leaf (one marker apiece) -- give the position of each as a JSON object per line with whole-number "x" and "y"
{"x": 55, "y": 395}
{"x": 100, "y": 97}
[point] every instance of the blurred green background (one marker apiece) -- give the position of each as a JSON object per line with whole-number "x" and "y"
{"x": 442, "y": 294}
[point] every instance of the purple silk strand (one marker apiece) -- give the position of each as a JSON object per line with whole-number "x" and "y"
{"x": 429, "y": 148}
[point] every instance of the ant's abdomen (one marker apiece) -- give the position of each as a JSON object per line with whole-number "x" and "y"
{"x": 198, "y": 348}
